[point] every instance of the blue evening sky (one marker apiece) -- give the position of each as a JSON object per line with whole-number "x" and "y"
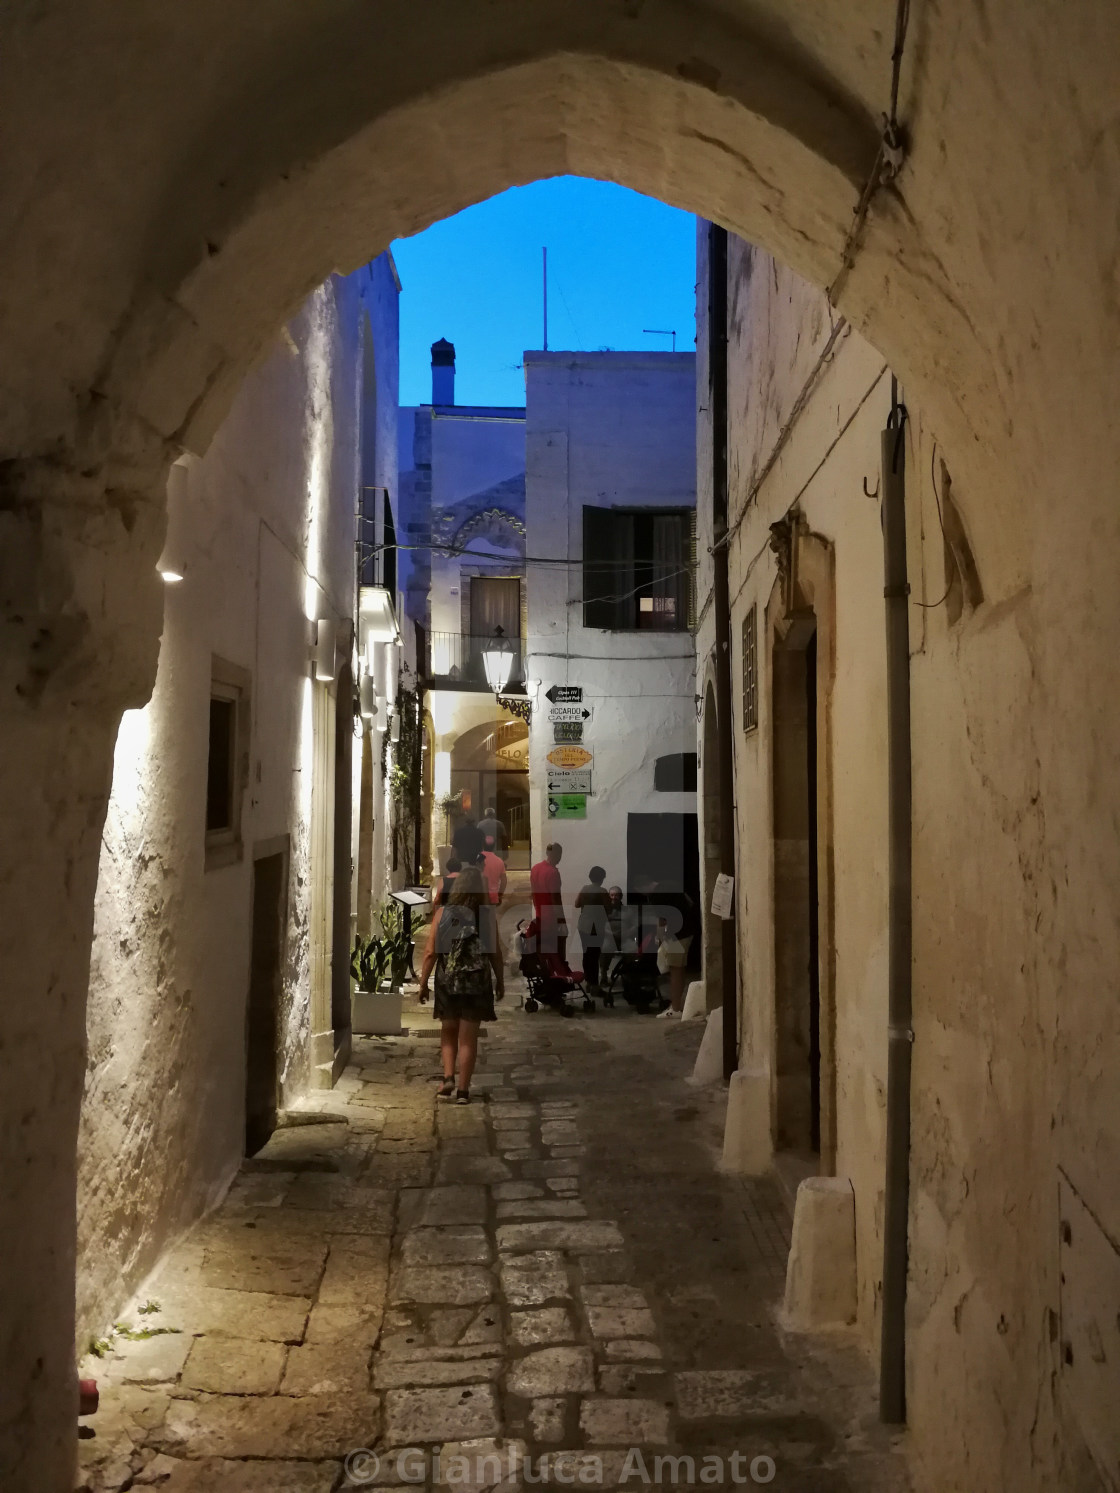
{"x": 617, "y": 262}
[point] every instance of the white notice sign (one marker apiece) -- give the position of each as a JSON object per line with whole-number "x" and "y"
{"x": 568, "y": 713}
{"x": 569, "y": 780}
{"x": 722, "y": 894}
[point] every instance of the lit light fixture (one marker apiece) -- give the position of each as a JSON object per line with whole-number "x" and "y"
{"x": 497, "y": 660}
{"x": 323, "y": 652}
{"x": 395, "y": 727}
{"x": 168, "y": 576}
{"x": 367, "y": 704}
{"x": 441, "y": 784}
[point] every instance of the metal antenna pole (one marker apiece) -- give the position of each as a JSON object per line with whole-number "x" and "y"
{"x": 544, "y": 267}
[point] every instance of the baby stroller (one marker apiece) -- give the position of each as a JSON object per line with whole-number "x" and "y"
{"x": 638, "y": 975}
{"x": 548, "y": 977}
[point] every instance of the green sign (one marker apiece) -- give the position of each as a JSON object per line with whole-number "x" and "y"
{"x": 567, "y": 806}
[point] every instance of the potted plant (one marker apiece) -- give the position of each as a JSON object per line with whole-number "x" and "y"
{"x": 377, "y": 969}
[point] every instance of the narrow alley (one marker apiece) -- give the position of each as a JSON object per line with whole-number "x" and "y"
{"x": 558, "y": 1268}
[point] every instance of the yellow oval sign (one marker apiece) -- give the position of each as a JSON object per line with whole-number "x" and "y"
{"x": 569, "y": 756}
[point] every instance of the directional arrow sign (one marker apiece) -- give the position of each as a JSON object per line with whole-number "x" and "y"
{"x": 570, "y": 756}
{"x": 568, "y": 713}
{"x": 569, "y": 780}
{"x": 568, "y": 694}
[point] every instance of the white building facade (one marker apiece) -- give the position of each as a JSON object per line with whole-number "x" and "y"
{"x": 610, "y": 509}
{"x": 219, "y": 987}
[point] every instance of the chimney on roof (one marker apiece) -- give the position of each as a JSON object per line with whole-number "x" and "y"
{"x": 443, "y": 372}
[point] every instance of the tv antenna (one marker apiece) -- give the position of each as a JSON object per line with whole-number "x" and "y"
{"x": 661, "y": 332}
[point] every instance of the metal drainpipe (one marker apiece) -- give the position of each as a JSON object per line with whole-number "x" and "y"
{"x": 892, "y": 1363}
{"x": 721, "y": 608}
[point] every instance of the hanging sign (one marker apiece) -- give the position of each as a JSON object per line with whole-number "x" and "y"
{"x": 567, "y": 731}
{"x": 568, "y": 713}
{"x": 567, "y": 806}
{"x": 570, "y": 756}
{"x": 569, "y": 780}
{"x": 564, "y": 694}
{"x": 722, "y": 893}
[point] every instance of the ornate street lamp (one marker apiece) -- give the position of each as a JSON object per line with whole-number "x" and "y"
{"x": 497, "y": 660}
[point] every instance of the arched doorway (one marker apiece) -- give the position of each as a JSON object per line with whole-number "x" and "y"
{"x": 987, "y": 276}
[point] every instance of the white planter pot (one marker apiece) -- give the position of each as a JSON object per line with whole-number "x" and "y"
{"x": 375, "y": 1013}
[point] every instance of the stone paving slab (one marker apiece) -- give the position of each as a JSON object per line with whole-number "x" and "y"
{"x": 233, "y": 1366}
{"x": 451, "y": 1245}
{"x": 411, "y": 1373}
{"x": 416, "y": 1416}
{"x": 339, "y": 1367}
{"x": 625, "y": 1422}
{"x": 216, "y": 1475}
{"x": 243, "y": 1314}
{"x": 588, "y": 1234}
{"x": 552, "y": 1371}
{"x": 450, "y": 1285}
{"x": 279, "y": 1426}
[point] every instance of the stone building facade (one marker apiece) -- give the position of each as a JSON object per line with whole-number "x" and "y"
{"x": 993, "y": 1183}
{"x": 610, "y": 509}
{"x": 214, "y": 954}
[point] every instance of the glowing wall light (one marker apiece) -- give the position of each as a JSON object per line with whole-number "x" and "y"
{"x": 441, "y": 783}
{"x": 367, "y": 701}
{"x": 323, "y": 652}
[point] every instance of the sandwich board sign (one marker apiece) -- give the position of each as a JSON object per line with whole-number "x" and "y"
{"x": 569, "y": 780}
{"x": 569, "y": 756}
{"x": 567, "y": 806}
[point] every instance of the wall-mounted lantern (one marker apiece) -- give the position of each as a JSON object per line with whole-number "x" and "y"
{"x": 497, "y": 660}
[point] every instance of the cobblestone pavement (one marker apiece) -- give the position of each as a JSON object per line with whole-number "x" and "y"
{"x": 558, "y": 1267}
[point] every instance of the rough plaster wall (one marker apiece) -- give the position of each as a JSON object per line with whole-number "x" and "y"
{"x": 153, "y": 246}
{"x": 981, "y": 1151}
{"x": 163, "y": 1113}
{"x": 609, "y": 429}
{"x": 778, "y": 326}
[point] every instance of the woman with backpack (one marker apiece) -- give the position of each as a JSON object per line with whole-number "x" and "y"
{"x": 463, "y": 950}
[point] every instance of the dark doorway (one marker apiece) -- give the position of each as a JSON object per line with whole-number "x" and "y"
{"x": 797, "y": 1048}
{"x": 665, "y": 849}
{"x": 262, "y": 1023}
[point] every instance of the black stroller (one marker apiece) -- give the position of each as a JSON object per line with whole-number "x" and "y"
{"x": 636, "y": 971}
{"x": 550, "y": 980}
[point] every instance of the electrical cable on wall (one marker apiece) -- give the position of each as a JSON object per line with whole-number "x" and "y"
{"x": 888, "y": 158}
{"x": 826, "y": 356}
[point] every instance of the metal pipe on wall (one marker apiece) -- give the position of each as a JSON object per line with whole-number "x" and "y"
{"x": 892, "y": 1362}
{"x": 721, "y": 611}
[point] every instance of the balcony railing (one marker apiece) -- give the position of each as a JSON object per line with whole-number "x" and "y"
{"x": 454, "y": 659}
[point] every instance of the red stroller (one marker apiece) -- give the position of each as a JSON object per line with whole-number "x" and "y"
{"x": 549, "y": 978}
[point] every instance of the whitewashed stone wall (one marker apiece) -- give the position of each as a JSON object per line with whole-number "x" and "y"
{"x": 263, "y": 530}
{"x": 605, "y": 429}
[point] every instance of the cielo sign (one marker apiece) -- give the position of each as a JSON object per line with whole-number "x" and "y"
{"x": 570, "y": 756}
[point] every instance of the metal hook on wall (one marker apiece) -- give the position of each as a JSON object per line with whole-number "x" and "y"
{"x": 868, "y": 494}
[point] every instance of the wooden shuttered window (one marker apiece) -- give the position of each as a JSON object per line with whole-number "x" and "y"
{"x": 637, "y": 568}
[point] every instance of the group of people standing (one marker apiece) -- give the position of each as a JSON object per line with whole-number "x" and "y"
{"x": 608, "y": 928}
{"x": 464, "y": 952}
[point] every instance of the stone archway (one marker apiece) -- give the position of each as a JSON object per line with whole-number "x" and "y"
{"x": 153, "y": 244}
